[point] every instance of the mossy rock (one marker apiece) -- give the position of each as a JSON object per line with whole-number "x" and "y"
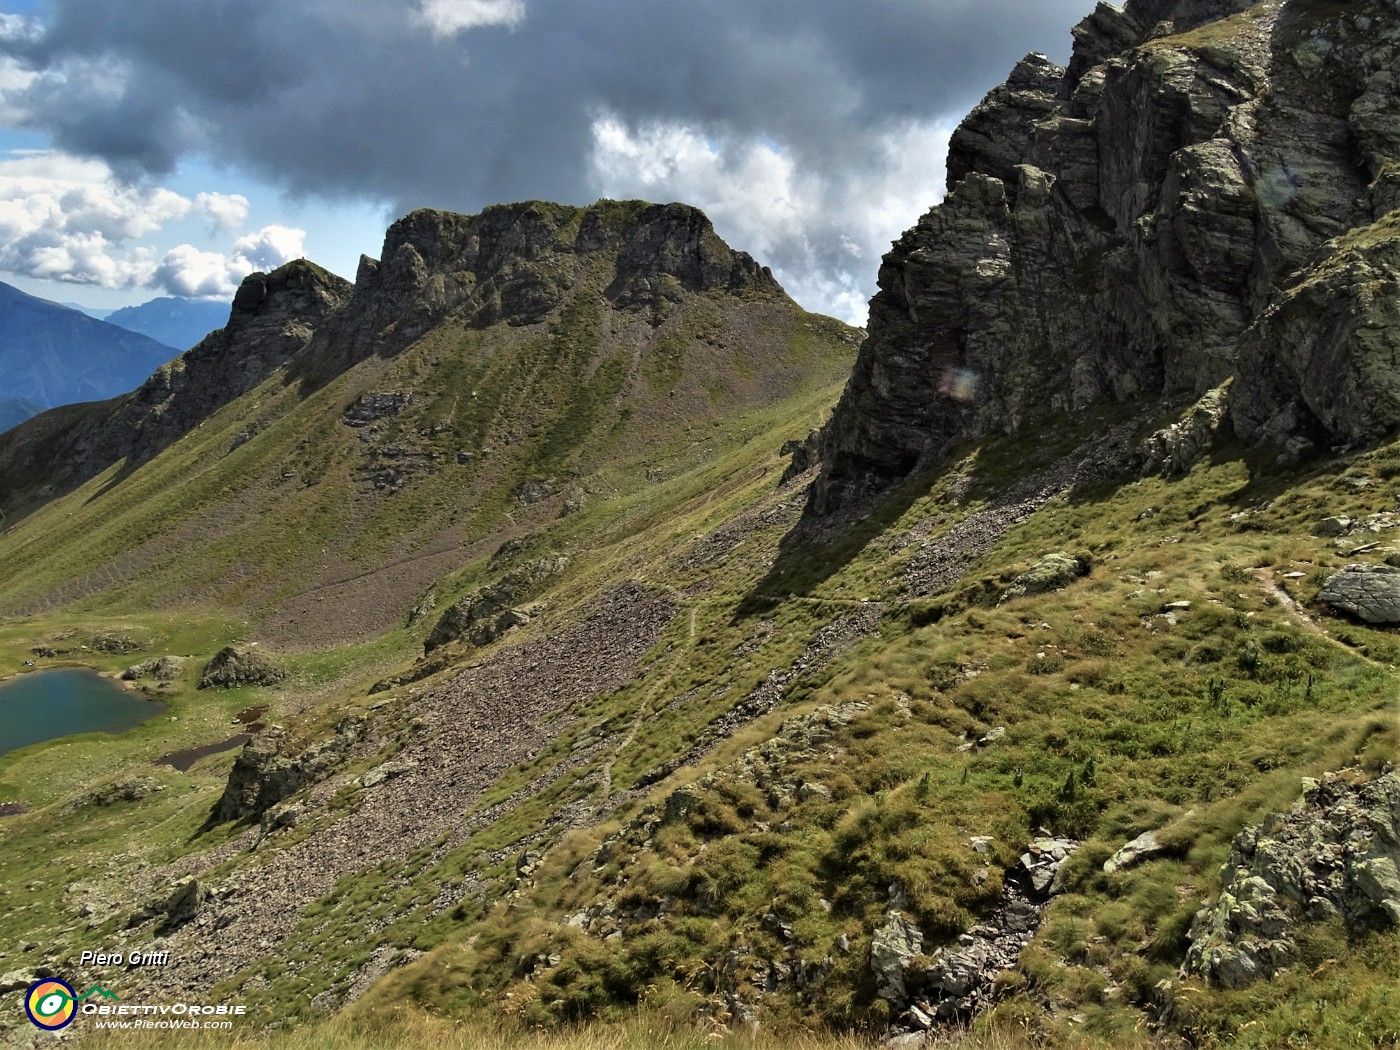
{"x": 1052, "y": 573}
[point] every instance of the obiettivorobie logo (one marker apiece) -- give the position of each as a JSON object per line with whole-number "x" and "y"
{"x": 52, "y": 1004}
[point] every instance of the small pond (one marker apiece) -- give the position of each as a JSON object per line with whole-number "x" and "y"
{"x": 48, "y": 704}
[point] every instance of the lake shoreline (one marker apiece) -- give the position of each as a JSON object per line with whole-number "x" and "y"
{"x": 70, "y": 700}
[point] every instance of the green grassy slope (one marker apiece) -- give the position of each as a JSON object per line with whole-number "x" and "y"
{"x": 1118, "y": 721}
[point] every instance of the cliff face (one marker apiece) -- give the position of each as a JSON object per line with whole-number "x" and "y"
{"x": 1202, "y": 193}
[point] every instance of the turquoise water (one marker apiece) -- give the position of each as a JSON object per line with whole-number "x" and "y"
{"x": 48, "y": 704}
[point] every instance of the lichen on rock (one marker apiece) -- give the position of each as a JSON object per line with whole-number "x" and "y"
{"x": 1334, "y": 856}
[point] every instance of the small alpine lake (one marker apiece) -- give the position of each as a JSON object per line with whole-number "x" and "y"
{"x": 45, "y": 705}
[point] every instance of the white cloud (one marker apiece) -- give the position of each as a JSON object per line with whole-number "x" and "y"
{"x": 447, "y": 18}
{"x": 70, "y": 220}
{"x": 189, "y": 271}
{"x": 226, "y": 211}
{"x": 270, "y": 247}
{"x": 66, "y": 219}
{"x": 817, "y": 232}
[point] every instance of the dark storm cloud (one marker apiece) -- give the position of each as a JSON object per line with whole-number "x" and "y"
{"x": 361, "y": 98}
{"x": 356, "y": 97}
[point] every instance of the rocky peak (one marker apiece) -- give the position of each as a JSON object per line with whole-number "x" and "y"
{"x": 1177, "y": 207}
{"x": 299, "y": 289}
{"x": 668, "y": 248}
{"x": 273, "y": 318}
{"x": 518, "y": 262}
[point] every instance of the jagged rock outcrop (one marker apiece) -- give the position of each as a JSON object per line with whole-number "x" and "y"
{"x": 483, "y": 616}
{"x": 1135, "y": 225}
{"x": 1334, "y": 856}
{"x": 231, "y": 667}
{"x": 515, "y": 263}
{"x": 265, "y": 772}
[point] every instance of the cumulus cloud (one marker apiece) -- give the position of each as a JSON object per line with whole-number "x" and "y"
{"x": 66, "y": 219}
{"x": 447, "y": 18}
{"x": 270, "y": 247}
{"x": 226, "y": 211}
{"x": 817, "y": 103}
{"x": 822, "y": 236}
{"x": 72, "y": 220}
{"x": 188, "y": 271}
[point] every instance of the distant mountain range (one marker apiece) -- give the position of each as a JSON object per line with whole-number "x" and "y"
{"x": 175, "y": 322}
{"x": 51, "y": 355}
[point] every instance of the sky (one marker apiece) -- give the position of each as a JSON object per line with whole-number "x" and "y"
{"x": 171, "y": 147}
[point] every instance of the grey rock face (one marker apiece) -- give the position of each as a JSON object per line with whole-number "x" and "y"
{"x": 1134, "y": 225}
{"x": 1334, "y": 856}
{"x": 894, "y": 947}
{"x": 1368, "y": 592}
{"x": 1324, "y": 360}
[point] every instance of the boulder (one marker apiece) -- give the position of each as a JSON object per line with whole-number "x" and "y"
{"x": 161, "y": 668}
{"x": 1042, "y": 861}
{"x": 1052, "y": 573}
{"x": 232, "y": 667}
{"x": 892, "y": 951}
{"x": 1367, "y": 592}
{"x": 184, "y": 904}
{"x": 1335, "y": 525}
{"x": 1144, "y": 847}
{"x": 131, "y": 789}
